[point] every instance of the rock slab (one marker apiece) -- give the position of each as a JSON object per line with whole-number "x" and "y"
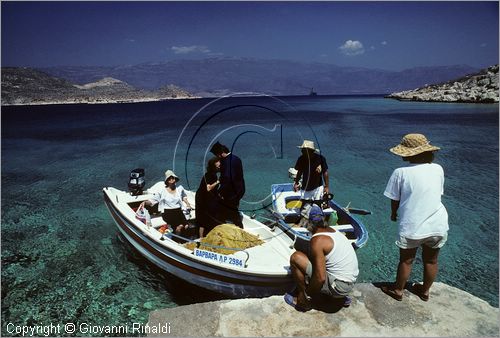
{"x": 449, "y": 312}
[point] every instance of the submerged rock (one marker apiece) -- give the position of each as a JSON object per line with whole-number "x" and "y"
{"x": 449, "y": 312}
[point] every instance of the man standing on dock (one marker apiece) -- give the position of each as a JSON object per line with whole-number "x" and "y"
{"x": 232, "y": 184}
{"x": 415, "y": 191}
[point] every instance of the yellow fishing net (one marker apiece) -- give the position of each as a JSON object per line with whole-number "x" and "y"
{"x": 228, "y": 236}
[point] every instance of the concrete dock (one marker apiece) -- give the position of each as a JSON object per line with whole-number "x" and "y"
{"x": 449, "y": 312}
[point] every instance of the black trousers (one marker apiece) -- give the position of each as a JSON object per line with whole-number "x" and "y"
{"x": 228, "y": 211}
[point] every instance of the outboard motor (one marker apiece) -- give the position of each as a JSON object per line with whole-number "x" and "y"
{"x": 136, "y": 181}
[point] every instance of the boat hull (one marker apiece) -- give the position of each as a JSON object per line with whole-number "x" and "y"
{"x": 220, "y": 279}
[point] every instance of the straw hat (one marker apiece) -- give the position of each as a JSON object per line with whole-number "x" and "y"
{"x": 308, "y": 145}
{"x": 169, "y": 173}
{"x": 413, "y": 144}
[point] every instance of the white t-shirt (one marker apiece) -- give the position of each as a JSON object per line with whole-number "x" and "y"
{"x": 418, "y": 188}
{"x": 167, "y": 200}
{"x": 341, "y": 262}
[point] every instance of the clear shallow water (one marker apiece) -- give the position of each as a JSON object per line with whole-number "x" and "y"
{"x": 62, "y": 258}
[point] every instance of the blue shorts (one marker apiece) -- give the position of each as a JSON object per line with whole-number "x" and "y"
{"x": 433, "y": 242}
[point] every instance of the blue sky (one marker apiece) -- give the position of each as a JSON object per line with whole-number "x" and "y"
{"x": 386, "y": 35}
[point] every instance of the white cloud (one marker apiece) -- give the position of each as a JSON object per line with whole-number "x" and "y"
{"x": 483, "y": 45}
{"x": 352, "y": 48}
{"x": 190, "y": 49}
{"x": 384, "y": 43}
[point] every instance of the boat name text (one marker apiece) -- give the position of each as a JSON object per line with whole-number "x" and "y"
{"x": 217, "y": 257}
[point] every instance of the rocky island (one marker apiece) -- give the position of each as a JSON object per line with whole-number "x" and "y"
{"x": 23, "y": 86}
{"x": 476, "y": 88}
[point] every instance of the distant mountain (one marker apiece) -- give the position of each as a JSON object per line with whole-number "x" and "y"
{"x": 219, "y": 76}
{"x": 478, "y": 88}
{"x": 30, "y": 86}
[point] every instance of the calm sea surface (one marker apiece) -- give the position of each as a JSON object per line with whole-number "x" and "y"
{"x": 64, "y": 261}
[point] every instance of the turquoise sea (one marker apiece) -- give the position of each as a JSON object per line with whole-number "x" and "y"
{"x": 63, "y": 260}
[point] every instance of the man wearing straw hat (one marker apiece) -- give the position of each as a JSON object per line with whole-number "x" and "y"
{"x": 312, "y": 169}
{"x": 415, "y": 192}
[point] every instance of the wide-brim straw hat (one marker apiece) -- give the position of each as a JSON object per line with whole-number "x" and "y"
{"x": 170, "y": 173}
{"x": 308, "y": 145}
{"x": 413, "y": 144}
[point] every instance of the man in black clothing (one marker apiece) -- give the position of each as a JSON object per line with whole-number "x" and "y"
{"x": 312, "y": 169}
{"x": 232, "y": 184}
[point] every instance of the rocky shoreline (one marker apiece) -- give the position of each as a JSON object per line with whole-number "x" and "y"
{"x": 99, "y": 101}
{"x": 477, "y": 88}
{"x": 450, "y": 312}
{"x": 24, "y": 86}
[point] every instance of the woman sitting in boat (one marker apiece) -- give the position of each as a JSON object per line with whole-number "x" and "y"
{"x": 170, "y": 203}
{"x": 206, "y": 198}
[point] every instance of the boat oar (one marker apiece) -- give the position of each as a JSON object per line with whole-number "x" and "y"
{"x": 359, "y": 211}
{"x": 356, "y": 210}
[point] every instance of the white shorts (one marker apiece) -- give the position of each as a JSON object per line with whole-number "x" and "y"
{"x": 315, "y": 194}
{"x": 433, "y": 242}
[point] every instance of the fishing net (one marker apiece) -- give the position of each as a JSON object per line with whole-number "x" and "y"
{"x": 228, "y": 236}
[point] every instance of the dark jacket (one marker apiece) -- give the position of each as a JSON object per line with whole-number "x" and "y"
{"x": 306, "y": 169}
{"x": 232, "y": 183}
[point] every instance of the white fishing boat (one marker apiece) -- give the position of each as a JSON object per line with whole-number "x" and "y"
{"x": 259, "y": 271}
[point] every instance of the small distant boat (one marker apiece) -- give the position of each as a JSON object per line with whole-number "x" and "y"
{"x": 286, "y": 208}
{"x": 260, "y": 271}
{"x": 313, "y": 93}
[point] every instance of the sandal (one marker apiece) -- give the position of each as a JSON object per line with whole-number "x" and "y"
{"x": 347, "y": 301}
{"x": 418, "y": 290}
{"x": 289, "y": 299}
{"x": 390, "y": 292}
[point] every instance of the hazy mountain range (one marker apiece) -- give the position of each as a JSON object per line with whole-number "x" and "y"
{"x": 209, "y": 78}
{"x": 217, "y": 76}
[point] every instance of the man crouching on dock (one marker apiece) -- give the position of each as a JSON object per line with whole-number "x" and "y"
{"x": 331, "y": 270}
